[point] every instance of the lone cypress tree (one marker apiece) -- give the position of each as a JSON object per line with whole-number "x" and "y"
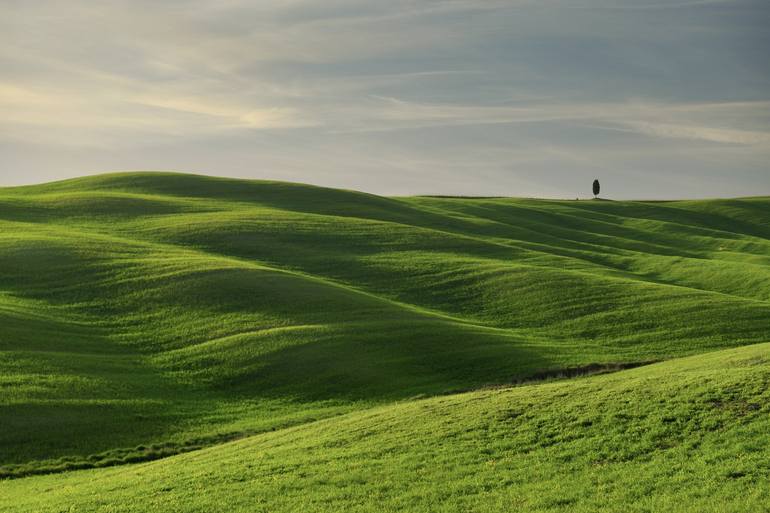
{"x": 596, "y": 188}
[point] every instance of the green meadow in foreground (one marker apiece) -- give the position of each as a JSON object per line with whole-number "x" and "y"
{"x": 685, "y": 435}
{"x": 297, "y": 331}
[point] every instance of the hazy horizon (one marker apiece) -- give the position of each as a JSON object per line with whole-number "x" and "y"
{"x": 658, "y": 100}
{"x": 583, "y": 196}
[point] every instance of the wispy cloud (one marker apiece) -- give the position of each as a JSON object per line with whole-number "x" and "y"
{"x": 700, "y": 122}
{"x": 700, "y": 133}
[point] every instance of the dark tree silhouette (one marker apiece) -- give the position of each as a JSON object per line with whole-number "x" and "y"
{"x": 596, "y": 188}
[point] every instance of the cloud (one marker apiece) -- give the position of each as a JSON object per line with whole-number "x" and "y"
{"x": 229, "y": 115}
{"x": 699, "y": 122}
{"x": 700, "y": 133}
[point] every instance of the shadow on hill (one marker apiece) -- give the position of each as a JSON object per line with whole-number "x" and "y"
{"x": 387, "y": 363}
{"x": 729, "y": 217}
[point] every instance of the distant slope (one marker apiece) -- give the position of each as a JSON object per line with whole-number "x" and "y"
{"x": 687, "y": 435}
{"x": 180, "y": 310}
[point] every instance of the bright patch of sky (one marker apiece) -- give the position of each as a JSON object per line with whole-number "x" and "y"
{"x": 656, "y": 98}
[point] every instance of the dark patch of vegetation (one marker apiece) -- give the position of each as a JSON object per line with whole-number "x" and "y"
{"x": 117, "y": 456}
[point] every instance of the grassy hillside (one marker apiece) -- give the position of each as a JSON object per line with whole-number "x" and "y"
{"x": 147, "y": 314}
{"x": 685, "y": 435}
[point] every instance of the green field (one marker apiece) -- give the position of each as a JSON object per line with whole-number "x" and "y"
{"x": 279, "y": 347}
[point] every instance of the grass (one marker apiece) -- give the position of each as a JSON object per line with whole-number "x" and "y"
{"x": 685, "y": 435}
{"x": 150, "y": 314}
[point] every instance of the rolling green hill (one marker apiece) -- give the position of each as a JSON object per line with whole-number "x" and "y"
{"x": 149, "y": 314}
{"x": 685, "y": 435}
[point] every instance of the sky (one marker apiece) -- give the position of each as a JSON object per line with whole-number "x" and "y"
{"x": 657, "y": 99}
